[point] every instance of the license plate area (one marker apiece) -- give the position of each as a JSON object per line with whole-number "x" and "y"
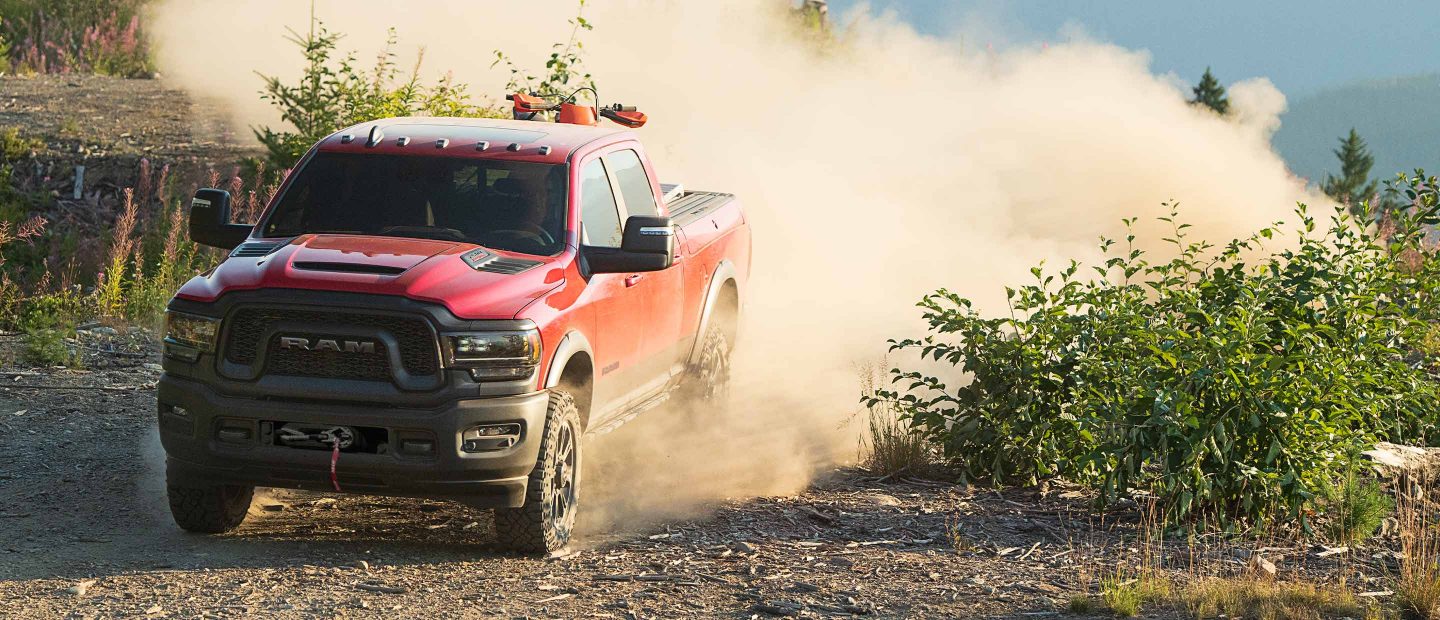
{"x": 320, "y": 436}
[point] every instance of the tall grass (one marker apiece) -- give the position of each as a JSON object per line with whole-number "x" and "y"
{"x": 143, "y": 258}
{"x": 1417, "y": 584}
{"x": 104, "y": 37}
{"x": 890, "y": 446}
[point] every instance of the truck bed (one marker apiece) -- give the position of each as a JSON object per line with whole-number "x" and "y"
{"x": 691, "y": 206}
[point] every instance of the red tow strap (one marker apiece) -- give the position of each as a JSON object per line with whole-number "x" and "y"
{"x": 335, "y": 458}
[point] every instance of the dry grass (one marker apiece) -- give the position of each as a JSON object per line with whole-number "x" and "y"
{"x": 890, "y": 445}
{"x": 1417, "y": 586}
{"x": 1266, "y": 600}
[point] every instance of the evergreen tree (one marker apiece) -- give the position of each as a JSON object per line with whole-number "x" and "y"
{"x": 1353, "y": 185}
{"x": 1211, "y": 94}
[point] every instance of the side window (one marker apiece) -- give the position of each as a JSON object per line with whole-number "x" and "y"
{"x": 634, "y": 185}
{"x": 599, "y": 217}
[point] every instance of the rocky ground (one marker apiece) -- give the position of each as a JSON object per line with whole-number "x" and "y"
{"x": 85, "y": 532}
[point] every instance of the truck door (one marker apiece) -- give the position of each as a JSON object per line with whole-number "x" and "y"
{"x": 662, "y": 290}
{"x": 618, "y": 309}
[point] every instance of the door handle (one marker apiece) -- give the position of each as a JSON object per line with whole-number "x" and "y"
{"x": 632, "y": 280}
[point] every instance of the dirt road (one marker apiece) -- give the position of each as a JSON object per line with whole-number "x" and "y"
{"x": 84, "y": 532}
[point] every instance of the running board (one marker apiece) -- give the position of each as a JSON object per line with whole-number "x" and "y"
{"x": 629, "y": 414}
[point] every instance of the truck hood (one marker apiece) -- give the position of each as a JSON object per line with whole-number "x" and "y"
{"x": 419, "y": 269}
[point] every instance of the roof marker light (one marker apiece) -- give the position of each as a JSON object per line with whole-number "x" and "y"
{"x": 514, "y": 147}
{"x": 404, "y": 140}
{"x": 442, "y": 143}
{"x": 482, "y": 145}
{"x": 376, "y": 135}
{"x": 544, "y": 150}
{"x": 347, "y": 139}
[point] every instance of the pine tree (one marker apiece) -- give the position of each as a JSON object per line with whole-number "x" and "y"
{"x": 1353, "y": 185}
{"x": 1211, "y": 94}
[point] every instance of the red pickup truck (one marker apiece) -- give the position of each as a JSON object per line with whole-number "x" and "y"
{"x": 443, "y": 308}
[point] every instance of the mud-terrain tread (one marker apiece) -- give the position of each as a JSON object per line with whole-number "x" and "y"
{"x": 209, "y": 510}
{"x": 714, "y": 344}
{"x": 528, "y": 529}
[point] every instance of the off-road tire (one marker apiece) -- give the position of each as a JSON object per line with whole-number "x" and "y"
{"x": 709, "y": 382}
{"x": 209, "y": 510}
{"x": 543, "y": 525}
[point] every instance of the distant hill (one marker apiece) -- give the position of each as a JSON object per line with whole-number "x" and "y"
{"x": 1398, "y": 117}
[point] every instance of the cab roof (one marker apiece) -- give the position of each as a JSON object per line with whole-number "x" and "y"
{"x": 489, "y": 138}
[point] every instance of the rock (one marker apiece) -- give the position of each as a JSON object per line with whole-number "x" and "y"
{"x": 1392, "y": 456}
{"x": 81, "y": 588}
{"x": 153, "y": 366}
{"x": 745, "y": 547}
{"x": 273, "y": 507}
{"x": 1263, "y": 566}
{"x": 362, "y": 565}
{"x": 883, "y": 499}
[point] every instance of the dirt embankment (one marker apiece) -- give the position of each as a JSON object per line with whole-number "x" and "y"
{"x": 108, "y": 126}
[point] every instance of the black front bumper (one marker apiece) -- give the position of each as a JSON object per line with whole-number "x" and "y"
{"x": 192, "y": 416}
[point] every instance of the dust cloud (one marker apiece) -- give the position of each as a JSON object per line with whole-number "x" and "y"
{"x": 889, "y": 166}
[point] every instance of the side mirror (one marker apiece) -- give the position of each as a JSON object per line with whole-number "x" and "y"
{"x": 648, "y": 245}
{"x": 210, "y": 220}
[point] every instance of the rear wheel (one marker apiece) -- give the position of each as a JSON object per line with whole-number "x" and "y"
{"x": 209, "y": 509}
{"x": 547, "y": 520}
{"x": 709, "y": 381}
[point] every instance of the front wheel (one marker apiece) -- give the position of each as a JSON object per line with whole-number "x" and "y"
{"x": 544, "y": 524}
{"x": 209, "y": 509}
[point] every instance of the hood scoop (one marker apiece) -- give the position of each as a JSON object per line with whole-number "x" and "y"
{"x": 485, "y": 260}
{"x": 384, "y": 270}
{"x": 255, "y": 249}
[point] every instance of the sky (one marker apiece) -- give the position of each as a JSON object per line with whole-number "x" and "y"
{"x": 1301, "y": 46}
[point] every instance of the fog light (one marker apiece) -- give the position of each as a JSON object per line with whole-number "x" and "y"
{"x": 490, "y": 437}
{"x": 232, "y": 434}
{"x": 417, "y": 446}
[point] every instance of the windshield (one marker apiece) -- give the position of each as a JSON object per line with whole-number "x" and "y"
{"x": 514, "y": 206}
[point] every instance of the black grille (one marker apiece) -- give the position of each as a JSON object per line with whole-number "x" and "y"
{"x": 417, "y": 344}
{"x": 329, "y": 364}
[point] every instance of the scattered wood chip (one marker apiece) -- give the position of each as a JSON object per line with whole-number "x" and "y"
{"x": 370, "y": 587}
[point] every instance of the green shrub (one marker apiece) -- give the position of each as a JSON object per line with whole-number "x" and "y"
{"x": 1355, "y": 508}
{"x": 1232, "y": 382}
{"x": 15, "y": 147}
{"x": 46, "y": 321}
{"x": 333, "y": 93}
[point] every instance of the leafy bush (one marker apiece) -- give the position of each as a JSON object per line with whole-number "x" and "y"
{"x": 334, "y": 93}
{"x": 1232, "y": 382}
{"x": 75, "y": 36}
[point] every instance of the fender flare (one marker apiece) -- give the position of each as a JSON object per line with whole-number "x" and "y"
{"x": 724, "y": 272}
{"x": 573, "y": 342}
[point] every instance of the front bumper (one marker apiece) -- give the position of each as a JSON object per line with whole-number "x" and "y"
{"x": 192, "y": 417}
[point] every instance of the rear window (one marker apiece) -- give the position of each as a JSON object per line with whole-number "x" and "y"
{"x": 513, "y": 206}
{"x": 634, "y": 185}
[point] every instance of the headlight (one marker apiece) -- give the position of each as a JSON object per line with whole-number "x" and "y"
{"x": 496, "y": 355}
{"x": 187, "y": 335}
